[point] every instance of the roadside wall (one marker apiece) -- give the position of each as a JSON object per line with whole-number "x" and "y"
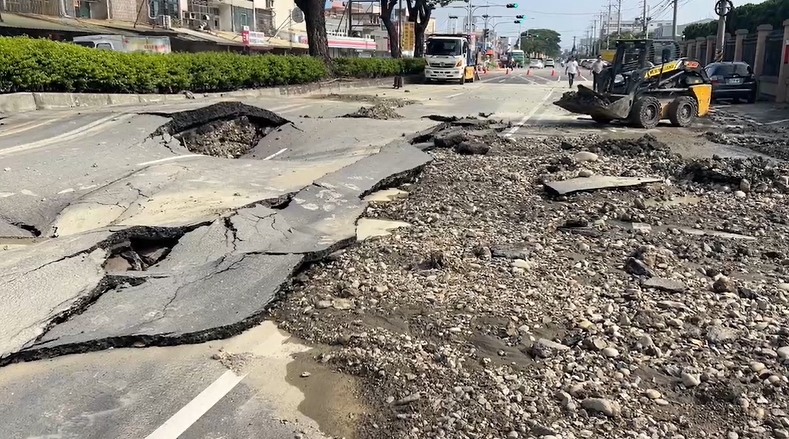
{"x": 766, "y": 50}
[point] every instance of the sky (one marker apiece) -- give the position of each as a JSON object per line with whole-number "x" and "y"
{"x": 571, "y": 18}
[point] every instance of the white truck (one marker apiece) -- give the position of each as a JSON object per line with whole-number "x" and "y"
{"x": 121, "y": 43}
{"x": 449, "y": 57}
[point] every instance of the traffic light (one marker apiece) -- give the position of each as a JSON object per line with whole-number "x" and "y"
{"x": 486, "y": 33}
{"x": 520, "y": 17}
{"x": 512, "y": 5}
{"x": 517, "y": 22}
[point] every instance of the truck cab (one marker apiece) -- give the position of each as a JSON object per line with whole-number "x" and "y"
{"x": 449, "y": 58}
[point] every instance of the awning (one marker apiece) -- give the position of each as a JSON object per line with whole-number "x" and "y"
{"x": 58, "y": 24}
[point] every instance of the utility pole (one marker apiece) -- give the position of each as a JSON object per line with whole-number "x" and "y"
{"x": 644, "y": 24}
{"x": 594, "y": 35}
{"x": 674, "y": 21}
{"x": 608, "y": 27}
{"x": 723, "y": 8}
{"x": 619, "y": 19}
{"x": 572, "y": 52}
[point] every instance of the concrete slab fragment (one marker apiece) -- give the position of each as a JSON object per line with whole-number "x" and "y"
{"x": 659, "y": 283}
{"x": 199, "y": 304}
{"x": 596, "y": 182}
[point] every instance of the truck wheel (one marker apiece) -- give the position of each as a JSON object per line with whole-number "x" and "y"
{"x": 645, "y": 113}
{"x": 463, "y": 79}
{"x": 682, "y": 111}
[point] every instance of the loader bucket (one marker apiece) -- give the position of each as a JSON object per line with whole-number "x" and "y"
{"x": 597, "y": 105}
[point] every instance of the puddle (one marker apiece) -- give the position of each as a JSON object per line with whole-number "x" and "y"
{"x": 285, "y": 372}
{"x": 674, "y": 201}
{"x": 368, "y": 227}
{"x": 386, "y": 195}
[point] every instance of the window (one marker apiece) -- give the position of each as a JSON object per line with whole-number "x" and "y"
{"x": 104, "y": 46}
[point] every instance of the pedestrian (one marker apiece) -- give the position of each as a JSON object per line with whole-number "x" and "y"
{"x": 571, "y": 70}
{"x": 597, "y": 70}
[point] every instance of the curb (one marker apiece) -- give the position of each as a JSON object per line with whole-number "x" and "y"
{"x": 33, "y": 101}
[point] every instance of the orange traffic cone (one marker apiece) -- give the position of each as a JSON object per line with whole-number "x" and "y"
{"x": 528, "y": 72}
{"x": 507, "y": 70}
{"x": 553, "y": 72}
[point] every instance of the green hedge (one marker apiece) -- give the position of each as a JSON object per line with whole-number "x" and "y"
{"x": 42, "y": 65}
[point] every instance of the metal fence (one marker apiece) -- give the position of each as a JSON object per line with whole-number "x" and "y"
{"x": 772, "y": 53}
{"x": 749, "y": 50}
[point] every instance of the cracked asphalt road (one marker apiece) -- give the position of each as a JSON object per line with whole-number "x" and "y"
{"x": 81, "y": 190}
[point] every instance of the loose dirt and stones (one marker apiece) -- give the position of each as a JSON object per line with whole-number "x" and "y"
{"x": 770, "y": 140}
{"x": 380, "y": 111}
{"x": 504, "y": 312}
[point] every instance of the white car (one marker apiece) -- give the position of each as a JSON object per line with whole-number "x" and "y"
{"x": 535, "y": 64}
{"x": 549, "y": 63}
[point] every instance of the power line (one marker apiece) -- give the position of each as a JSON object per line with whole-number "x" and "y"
{"x": 572, "y": 13}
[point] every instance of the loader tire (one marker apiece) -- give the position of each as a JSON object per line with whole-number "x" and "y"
{"x": 682, "y": 111}
{"x": 645, "y": 113}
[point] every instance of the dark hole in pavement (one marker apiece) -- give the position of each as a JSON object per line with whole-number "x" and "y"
{"x": 138, "y": 254}
{"x": 225, "y": 129}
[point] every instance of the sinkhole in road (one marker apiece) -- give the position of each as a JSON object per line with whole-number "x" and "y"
{"x": 138, "y": 254}
{"x": 226, "y": 129}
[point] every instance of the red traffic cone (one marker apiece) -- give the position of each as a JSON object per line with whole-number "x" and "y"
{"x": 553, "y": 72}
{"x": 528, "y": 72}
{"x": 507, "y": 70}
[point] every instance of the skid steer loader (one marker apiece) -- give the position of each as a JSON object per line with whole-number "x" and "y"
{"x": 647, "y": 82}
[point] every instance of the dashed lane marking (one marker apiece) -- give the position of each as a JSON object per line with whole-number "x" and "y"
{"x": 528, "y": 116}
{"x": 776, "y": 122}
{"x": 196, "y": 408}
{"x": 167, "y": 159}
{"x": 276, "y": 154}
{"x": 455, "y": 95}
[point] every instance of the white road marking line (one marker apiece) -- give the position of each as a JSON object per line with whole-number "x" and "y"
{"x": 776, "y": 121}
{"x": 167, "y": 159}
{"x": 81, "y": 131}
{"x": 294, "y": 109}
{"x": 528, "y": 116}
{"x": 276, "y": 154}
{"x": 196, "y": 408}
{"x": 455, "y": 95}
{"x": 65, "y": 191}
{"x": 6, "y": 194}
{"x": 502, "y": 80}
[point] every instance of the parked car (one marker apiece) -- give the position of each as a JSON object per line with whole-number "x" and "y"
{"x": 586, "y": 63}
{"x": 536, "y": 64}
{"x": 549, "y": 63}
{"x": 733, "y": 80}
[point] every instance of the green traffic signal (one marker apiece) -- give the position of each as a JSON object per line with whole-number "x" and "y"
{"x": 519, "y": 17}
{"x": 512, "y": 5}
{"x": 517, "y": 22}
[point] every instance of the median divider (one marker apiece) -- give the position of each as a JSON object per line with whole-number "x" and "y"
{"x": 43, "y": 74}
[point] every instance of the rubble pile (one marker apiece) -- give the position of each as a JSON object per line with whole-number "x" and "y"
{"x": 380, "y": 111}
{"x": 656, "y": 310}
{"x": 770, "y": 140}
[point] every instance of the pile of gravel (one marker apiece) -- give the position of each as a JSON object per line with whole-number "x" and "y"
{"x": 656, "y": 312}
{"x": 380, "y": 111}
{"x": 770, "y": 140}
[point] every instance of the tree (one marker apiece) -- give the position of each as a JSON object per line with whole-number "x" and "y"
{"x": 315, "y": 20}
{"x": 747, "y": 16}
{"x": 541, "y": 41}
{"x": 419, "y": 12}
{"x": 387, "y": 6}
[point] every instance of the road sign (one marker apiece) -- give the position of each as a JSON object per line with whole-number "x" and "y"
{"x": 407, "y": 40}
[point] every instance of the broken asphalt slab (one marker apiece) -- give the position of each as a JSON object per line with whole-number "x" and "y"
{"x": 584, "y": 184}
{"x": 217, "y": 280}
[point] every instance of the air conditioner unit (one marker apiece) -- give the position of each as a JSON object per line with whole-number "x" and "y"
{"x": 193, "y": 15}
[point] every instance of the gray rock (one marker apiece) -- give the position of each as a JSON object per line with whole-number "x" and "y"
{"x": 638, "y": 268}
{"x": 472, "y": 148}
{"x": 610, "y": 352}
{"x": 585, "y": 173}
{"x": 724, "y": 285}
{"x": 585, "y": 156}
{"x": 600, "y": 405}
{"x": 414, "y": 397}
{"x": 323, "y": 304}
{"x": 719, "y": 334}
{"x": 669, "y": 285}
{"x": 739, "y": 194}
{"x": 783, "y": 353}
{"x": 690, "y": 380}
{"x": 745, "y": 185}
{"x": 545, "y": 348}
{"x": 342, "y": 304}
{"x": 653, "y": 394}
